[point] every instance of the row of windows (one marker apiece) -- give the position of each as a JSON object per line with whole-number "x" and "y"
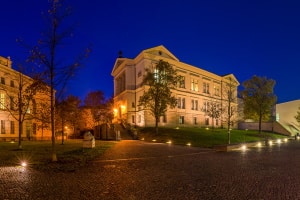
{"x": 3, "y": 127}
{"x": 205, "y": 86}
{"x": 163, "y": 119}
{"x": 195, "y": 121}
{"x": 194, "y": 104}
{"x": 12, "y": 103}
{"x": 12, "y": 83}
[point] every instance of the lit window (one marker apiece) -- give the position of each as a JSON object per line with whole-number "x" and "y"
{"x": 2, "y": 101}
{"x": 217, "y": 90}
{"x": 194, "y": 85}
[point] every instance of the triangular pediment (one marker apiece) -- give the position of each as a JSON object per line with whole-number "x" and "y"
{"x": 118, "y": 63}
{"x": 160, "y": 51}
{"x": 232, "y": 78}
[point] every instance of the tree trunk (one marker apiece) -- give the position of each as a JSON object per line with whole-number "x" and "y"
{"x": 156, "y": 126}
{"x": 62, "y": 131}
{"x": 259, "y": 123}
{"x": 20, "y": 134}
{"x": 54, "y": 157}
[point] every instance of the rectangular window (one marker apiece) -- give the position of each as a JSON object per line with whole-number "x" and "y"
{"x": 182, "y": 82}
{"x": 195, "y": 120}
{"x": 181, "y": 119}
{"x": 140, "y": 119}
{"x": 205, "y": 106}
{"x": 12, "y": 103}
{"x": 12, "y": 83}
{"x": 193, "y": 104}
{"x": 34, "y": 127}
{"x": 2, "y": 127}
{"x": 206, "y": 121}
{"x": 217, "y": 90}
{"x": 12, "y": 127}
{"x": 179, "y": 102}
{"x": 132, "y": 119}
{"x": 206, "y": 87}
{"x": 28, "y": 130}
{"x": 183, "y": 103}
{"x": 194, "y": 85}
{"x": 196, "y": 104}
{"x": 2, "y": 101}
{"x": 3, "y": 80}
{"x": 164, "y": 119}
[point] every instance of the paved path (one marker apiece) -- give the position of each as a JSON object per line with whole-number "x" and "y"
{"x": 136, "y": 170}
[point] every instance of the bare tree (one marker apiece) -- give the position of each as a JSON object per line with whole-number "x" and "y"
{"x": 46, "y": 54}
{"x": 229, "y": 96}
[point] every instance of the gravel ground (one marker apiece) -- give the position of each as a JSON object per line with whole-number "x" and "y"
{"x": 135, "y": 170}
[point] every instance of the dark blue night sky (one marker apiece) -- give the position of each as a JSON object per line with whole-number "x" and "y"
{"x": 242, "y": 37}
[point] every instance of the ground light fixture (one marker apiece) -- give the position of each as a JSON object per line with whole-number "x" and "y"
{"x": 188, "y": 144}
{"x": 278, "y": 141}
{"x": 244, "y": 147}
{"x": 259, "y": 144}
{"x": 169, "y": 142}
{"x": 23, "y": 163}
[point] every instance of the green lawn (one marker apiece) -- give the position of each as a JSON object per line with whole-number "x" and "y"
{"x": 70, "y": 156}
{"x": 202, "y": 137}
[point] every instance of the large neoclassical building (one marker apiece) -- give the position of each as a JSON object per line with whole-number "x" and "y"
{"x": 13, "y": 85}
{"x": 194, "y": 94}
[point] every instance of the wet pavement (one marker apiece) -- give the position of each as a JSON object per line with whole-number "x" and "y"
{"x": 137, "y": 170}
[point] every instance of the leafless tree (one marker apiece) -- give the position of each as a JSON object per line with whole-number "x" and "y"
{"x": 56, "y": 71}
{"x": 229, "y": 95}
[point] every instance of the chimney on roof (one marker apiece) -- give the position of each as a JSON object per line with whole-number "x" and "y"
{"x": 120, "y": 54}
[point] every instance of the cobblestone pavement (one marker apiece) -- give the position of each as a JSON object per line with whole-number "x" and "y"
{"x": 136, "y": 170}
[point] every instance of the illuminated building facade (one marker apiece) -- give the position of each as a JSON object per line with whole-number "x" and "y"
{"x": 195, "y": 93}
{"x": 33, "y": 129}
